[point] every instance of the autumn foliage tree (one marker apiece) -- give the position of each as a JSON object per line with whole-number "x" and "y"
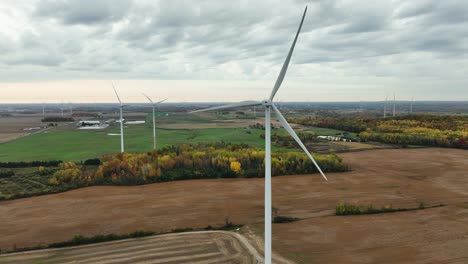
{"x": 219, "y": 160}
{"x": 68, "y": 173}
{"x": 415, "y": 129}
{"x": 236, "y": 167}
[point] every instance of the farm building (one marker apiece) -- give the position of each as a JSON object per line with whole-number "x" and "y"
{"x": 91, "y": 124}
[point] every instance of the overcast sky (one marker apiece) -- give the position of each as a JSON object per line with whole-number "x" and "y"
{"x": 211, "y": 50}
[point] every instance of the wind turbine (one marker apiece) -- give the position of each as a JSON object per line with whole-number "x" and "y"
{"x": 122, "y": 149}
{"x": 394, "y": 102}
{"x": 411, "y": 105}
{"x": 70, "y": 105}
{"x": 43, "y": 110}
{"x": 61, "y": 107}
{"x": 154, "y": 117}
{"x": 385, "y": 107}
{"x": 269, "y": 105}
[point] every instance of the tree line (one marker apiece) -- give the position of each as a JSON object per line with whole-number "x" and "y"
{"x": 36, "y": 163}
{"x": 207, "y": 161}
{"x": 415, "y": 129}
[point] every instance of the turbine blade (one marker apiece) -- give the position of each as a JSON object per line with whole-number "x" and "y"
{"x": 229, "y": 106}
{"x": 161, "y": 101}
{"x": 116, "y": 93}
{"x": 280, "y": 78}
{"x": 147, "y": 97}
{"x": 298, "y": 140}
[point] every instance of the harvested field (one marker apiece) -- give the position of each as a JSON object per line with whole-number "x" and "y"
{"x": 197, "y": 247}
{"x": 5, "y": 137}
{"x": 16, "y": 123}
{"x": 11, "y": 127}
{"x": 401, "y": 177}
{"x": 438, "y": 235}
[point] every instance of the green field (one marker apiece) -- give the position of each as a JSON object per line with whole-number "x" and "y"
{"x": 74, "y": 145}
{"x": 70, "y": 144}
{"x": 177, "y": 118}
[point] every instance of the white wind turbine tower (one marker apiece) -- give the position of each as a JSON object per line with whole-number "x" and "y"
{"x": 411, "y": 105}
{"x": 43, "y": 110}
{"x": 70, "y": 105}
{"x": 394, "y": 102}
{"x": 154, "y": 117}
{"x": 122, "y": 148}
{"x": 385, "y": 107}
{"x": 268, "y": 105}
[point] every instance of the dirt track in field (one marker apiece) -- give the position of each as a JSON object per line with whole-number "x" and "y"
{"x": 203, "y": 247}
{"x": 401, "y": 177}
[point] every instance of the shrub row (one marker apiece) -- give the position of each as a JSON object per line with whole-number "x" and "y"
{"x": 57, "y": 119}
{"x": 24, "y": 164}
{"x": 78, "y": 240}
{"x": 284, "y": 219}
{"x": 351, "y": 209}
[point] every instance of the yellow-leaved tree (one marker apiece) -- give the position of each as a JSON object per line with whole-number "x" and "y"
{"x": 236, "y": 167}
{"x": 68, "y": 172}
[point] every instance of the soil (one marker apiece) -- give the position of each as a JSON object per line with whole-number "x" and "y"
{"x": 397, "y": 177}
{"x": 201, "y": 247}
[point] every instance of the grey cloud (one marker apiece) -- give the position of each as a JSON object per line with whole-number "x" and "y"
{"x": 415, "y": 8}
{"x": 239, "y": 39}
{"x": 38, "y": 59}
{"x": 84, "y": 12}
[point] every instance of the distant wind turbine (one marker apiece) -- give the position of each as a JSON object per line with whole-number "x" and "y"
{"x": 71, "y": 108}
{"x": 154, "y": 117}
{"x": 268, "y": 105}
{"x": 411, "y": 105}
{"x": 61, "y": 107}
{"x": 394, "y": 102}
{"x": 121, "y": 106}
{"x": 385, "y": 107}
{"x": 43, "y": 110}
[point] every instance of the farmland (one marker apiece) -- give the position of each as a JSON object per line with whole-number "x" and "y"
{"x": 206, "y": 247}
{"x": 400, "y": 177}
{"x": 75, "y": 145}
{"x": 170, "y": 163}
{"x": 13, "y": 126}
{"x": 413, "y": 129}
{"x": 69, "y": 144}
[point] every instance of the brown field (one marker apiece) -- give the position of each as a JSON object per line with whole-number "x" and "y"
{"x": 11, "y": 127}
{"x": 198, "y": 247}
{"x": 127, "y": 115}
{"x": 401, "y": 177}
